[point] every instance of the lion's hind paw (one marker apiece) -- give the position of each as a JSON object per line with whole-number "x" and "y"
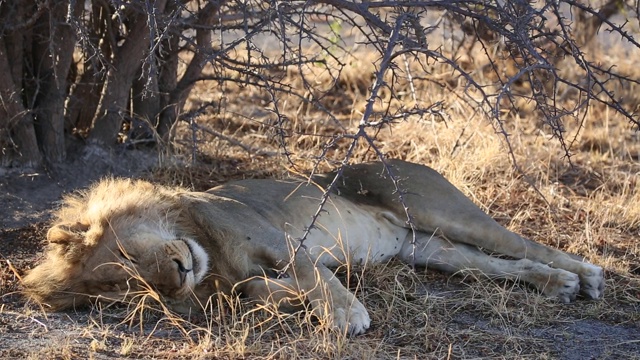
{"x": 592, "y": 281}
{"x": 563, "y": 285}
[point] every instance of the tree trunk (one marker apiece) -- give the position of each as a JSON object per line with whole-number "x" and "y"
{"x": 145, "y": 102}
{"x": 17, "y": 135}
{"x": 116, "y": 92}
{"x": 206, "y": 18}
{"x": 18, "y": 143}
{"x": 84, "y": 101}
{"x": 53, "y": 53}
{"x": 85, "y": 96}
{"x": 167, "y": 82}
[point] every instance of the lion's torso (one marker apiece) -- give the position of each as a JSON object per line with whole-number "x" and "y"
{"x": 343, "y": 232}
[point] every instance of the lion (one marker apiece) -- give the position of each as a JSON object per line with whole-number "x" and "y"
{"x": 269, "y": 240}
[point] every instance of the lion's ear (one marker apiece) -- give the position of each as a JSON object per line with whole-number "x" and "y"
{"x": 67, "y": 233}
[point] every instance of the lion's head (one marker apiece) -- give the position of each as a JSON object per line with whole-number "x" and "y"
{"x": 114, "y": 239}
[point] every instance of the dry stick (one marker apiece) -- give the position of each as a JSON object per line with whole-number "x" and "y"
{"x": 281, "y": 119}
{"x": 519, "y": 36}
{"x": 364, "y": 122}
{"x": 232, "y": 141}
{"x": 410, "y": 45}
{"x": 194, "y": 126}
{"x": 592, "y": 69}
{"x": 401, "y": 196}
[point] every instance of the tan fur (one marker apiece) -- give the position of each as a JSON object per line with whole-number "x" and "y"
{"x": 122, "y": 235}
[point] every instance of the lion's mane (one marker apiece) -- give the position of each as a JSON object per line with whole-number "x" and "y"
{"x": 80, "y": 224}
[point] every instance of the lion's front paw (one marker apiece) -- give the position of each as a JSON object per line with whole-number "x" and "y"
{"x": 355, "y": 319}
{"x": 592, "y": 281}
{"x": 563, "y": 285}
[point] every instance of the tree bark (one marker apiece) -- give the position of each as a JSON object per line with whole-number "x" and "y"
{"x": 207, "y": 17}
{"x": 17, "y": 135}
{"x": 18, "y": 143}
{"x": 54, "y": 43}
{"x": 85, "y": 96}
{"x": 145, "y": 102}
{"x": 115, "y": 95}
{"x": 167, "y": 82}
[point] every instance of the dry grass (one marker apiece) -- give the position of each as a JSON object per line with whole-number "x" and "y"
{"x": 588, "y": 208}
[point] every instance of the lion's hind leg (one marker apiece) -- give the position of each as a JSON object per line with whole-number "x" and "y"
{"x": 436, "y": 206}
{"x": 440, "y": 254}
{"x": 591, "y": 280}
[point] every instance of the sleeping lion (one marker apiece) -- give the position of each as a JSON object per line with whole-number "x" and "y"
{"x": 121, "y": 235}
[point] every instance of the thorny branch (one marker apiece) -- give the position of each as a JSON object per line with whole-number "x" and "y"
{"x": 364, "y": 124}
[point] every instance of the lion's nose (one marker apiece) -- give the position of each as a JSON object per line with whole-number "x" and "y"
{"x": 182, "y": 271}
{"x": 181, "y": 267}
